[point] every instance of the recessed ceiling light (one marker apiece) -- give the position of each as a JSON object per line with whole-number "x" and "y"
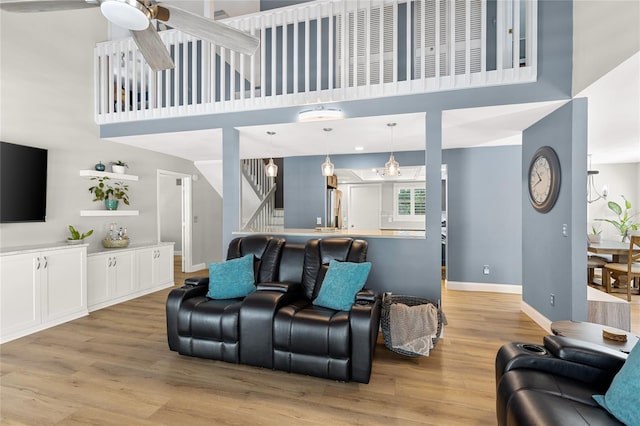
{"x": 359, "y": 148}
{"x": 320, "y": 113}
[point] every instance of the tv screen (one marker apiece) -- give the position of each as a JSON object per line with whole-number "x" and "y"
{"x": 23, "y": 183}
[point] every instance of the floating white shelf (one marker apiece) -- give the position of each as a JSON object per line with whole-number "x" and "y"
{"x": 114, "y": 176}
{"x": 109, "y": 212}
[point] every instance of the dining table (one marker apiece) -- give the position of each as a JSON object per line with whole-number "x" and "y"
{"x": 611, "y": 247}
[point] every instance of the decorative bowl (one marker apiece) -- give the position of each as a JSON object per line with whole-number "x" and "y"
{"x": 109, "y": 243}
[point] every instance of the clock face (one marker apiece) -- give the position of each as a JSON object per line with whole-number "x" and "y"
{"x": 540, "y": 179}
{"x": 544, "y": 179}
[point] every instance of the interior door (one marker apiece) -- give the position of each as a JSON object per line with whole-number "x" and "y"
{"x": 364, "y": 207}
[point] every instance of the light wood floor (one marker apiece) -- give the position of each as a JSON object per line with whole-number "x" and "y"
{"x": 114, "y": 367}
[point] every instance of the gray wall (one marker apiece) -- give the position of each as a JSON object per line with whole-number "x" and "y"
{"x": 170, "y": 206}
{"x": 553, "y": 263}
{"x": 485, "y": 215}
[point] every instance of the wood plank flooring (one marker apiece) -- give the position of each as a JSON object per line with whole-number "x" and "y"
{"x": 114, "y": 367}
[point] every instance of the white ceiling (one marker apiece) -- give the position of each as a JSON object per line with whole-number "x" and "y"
{"x": 614, "y": 128}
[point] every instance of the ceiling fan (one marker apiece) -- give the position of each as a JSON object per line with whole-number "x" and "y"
{"x": 136, "y": 16}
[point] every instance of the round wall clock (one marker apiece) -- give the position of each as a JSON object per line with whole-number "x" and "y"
{"x": 544, "y": 179}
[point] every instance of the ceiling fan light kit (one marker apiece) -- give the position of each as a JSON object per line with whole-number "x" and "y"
{"x": 128, "y": 14}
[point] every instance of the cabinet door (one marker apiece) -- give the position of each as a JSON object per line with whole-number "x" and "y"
{"x": 65, "y": 290}
{"x": 164, "y": 265}
{"x": 19, "y": 293}
{"x": 144, "y": 265}
{"x": 98, "y": 272}
{"x": 122, "y": 274}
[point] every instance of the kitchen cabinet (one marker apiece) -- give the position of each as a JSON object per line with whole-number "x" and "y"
{"x": 41, "y": 287}
{"x": 155, "y": 267}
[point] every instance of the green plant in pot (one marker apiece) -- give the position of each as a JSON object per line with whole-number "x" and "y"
{"x": 624, "y": 223}
{"x": 76, "y": 236}
{"x": 596, "y": 234}
{"x": 103, "y": 190}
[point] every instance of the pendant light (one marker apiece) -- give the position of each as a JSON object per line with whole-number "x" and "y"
{"x": 591, "y": 186}
{"x": 271, "y": 168}
{"x": 391, "y": 167}
{"x": 327, "y": 166}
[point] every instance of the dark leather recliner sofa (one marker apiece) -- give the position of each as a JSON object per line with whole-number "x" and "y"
{"x": 553, "y": 384}
{"x": 277, "y": 326}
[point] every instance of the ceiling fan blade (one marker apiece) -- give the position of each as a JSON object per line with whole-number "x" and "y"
{"x": 47, "y": 6}
{"x": 208, "y": 29}
{"x": 153, "y": 49}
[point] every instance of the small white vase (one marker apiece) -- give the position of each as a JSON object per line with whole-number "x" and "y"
{"x": 118, "y": 169}
{"x": 594, "y": 238}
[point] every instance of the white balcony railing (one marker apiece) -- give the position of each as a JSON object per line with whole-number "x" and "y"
{"x": 325, "y": 51}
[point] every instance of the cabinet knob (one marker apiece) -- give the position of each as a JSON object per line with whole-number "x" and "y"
{"x": 38, "y": 264}
{"x": 46, "y": 262}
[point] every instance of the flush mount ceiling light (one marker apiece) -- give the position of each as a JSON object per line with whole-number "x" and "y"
{"x": 128, "y": 14}
{"x": 319, "y": 114}
{"x": 271, "y": 168}
{"x": 327, "y": 166}
{"x": 391, "y": 167}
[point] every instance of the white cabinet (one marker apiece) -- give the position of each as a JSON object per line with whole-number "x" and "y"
{"x": 155, "y": 266}
{"x": 110, "y": 276}
{"x": 40, "y": 289}
{"x": 115, "y": 276}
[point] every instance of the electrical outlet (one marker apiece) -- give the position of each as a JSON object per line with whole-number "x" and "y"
{"x": 318, "y": 220}
{"x": 486, "y": 270}
{"x": 565, "y": 230}
{"x": 552, "y": 299}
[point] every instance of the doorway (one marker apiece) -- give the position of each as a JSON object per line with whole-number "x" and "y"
{"x": 364, "y": 207}
{"x": 174, "y": 201}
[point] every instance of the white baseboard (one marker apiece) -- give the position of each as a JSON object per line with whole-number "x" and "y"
{"x": 536, "y": 316}
{"x": 177, "y": 252}
{"x": 493, "y": 288}
{"x": 197, "y": 267}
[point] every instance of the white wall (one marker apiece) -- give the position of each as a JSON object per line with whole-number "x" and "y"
{"x": 605, "y": 33}
{"x": 170, "y": 205}
{"x": 46, "y": 88}
{"x": 622, "y": 179}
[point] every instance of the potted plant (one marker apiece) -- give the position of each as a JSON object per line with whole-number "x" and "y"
{"x": 119, "y": 167}
{"x": 596, "y": 234}
{"x": 110, "y": 194}
{"x": 624, "y": 224}
{"x": 77, "y": 237}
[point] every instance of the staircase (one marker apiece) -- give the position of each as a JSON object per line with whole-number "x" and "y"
{"x": 264, "y": 217}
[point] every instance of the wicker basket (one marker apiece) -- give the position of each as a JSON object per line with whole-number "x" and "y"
{"x": 109, "y": 243}
{"x": 385, "y": 322}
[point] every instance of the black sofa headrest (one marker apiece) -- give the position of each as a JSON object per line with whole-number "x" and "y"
{"x": 266, "y": 251}
{"x": 318, "y": 254}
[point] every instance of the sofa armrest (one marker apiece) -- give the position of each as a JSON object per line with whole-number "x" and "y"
{"x": 585, "y": 353}
{"x": 365, "y": 295}
{"x": 174, "y": 301}
{"x": 196, "y": 281}
{"x": 284, "y": 287}
{"x": 257, "y": 313}
{"x": 364, "y": 321}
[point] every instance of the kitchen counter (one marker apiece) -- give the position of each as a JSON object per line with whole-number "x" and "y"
{"x": 330, "y": 232}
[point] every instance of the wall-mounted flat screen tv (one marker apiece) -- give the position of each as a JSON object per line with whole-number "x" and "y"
{"x": 23, "y": 183}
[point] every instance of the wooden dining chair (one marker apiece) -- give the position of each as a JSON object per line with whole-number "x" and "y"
{"x": 630, "y": 270}
{"x": 593, "y": 263}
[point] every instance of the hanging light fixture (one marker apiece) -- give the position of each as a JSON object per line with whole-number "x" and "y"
{"x": 391, "y": 167}
{"x": 271, "y": 168}
{"x": 327, "y": 166}
{"x": 591, "y": 186}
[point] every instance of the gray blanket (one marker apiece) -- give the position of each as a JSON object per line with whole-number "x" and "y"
{"x": 413, "y": 327}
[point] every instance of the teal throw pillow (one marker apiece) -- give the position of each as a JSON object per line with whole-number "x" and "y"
{"x": 231, "y": 279}
{"x": 341, "y": 283}
{"x": 621, "y": 399}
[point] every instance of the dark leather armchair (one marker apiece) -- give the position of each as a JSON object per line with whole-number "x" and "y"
{"x": 553, "y": 384}
{"x": 207, "y": 328}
